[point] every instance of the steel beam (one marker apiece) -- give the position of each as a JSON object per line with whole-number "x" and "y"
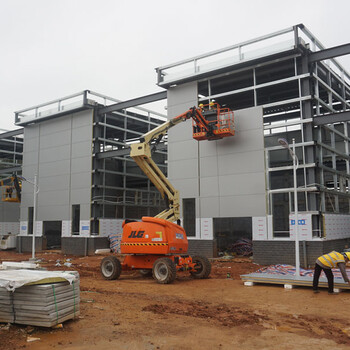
{"x": 12, "y": 133}
{"x": 332, "y": 52}
{"x": 158, "y": 96}
{"x": 332, "y": 118}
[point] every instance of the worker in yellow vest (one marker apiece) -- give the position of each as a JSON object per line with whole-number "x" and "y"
{"x": 326, "y": 262}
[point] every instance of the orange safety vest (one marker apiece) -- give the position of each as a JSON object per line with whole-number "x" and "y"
{"x": 331, "y": 259}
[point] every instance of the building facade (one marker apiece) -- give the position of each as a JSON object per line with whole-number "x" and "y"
{"x": 86, "y": 181}
{"x": 280, "y": 86}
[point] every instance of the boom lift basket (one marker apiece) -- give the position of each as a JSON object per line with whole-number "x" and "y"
{"x": 217, "y": 123}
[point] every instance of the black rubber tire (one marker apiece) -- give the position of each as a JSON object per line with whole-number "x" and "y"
{"x": 146, "y": 272}
{"x": 110, "y": 268}
{"x": 164, "y": 271}
{"x": 202, "y": 267}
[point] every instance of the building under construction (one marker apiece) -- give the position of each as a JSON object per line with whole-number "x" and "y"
{"x": 283, "y": 85}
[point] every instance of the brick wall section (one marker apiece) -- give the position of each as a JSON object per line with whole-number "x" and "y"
{"x": 205, "y": 248}
{"x": 24, "y": 244}
{"x": 283, "y": 252}
{"x": 83, "y": 245}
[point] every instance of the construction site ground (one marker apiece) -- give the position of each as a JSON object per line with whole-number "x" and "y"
{"x": 135, "y": 312}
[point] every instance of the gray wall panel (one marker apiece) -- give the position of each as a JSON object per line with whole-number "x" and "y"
{"x": 189, "y": 187}
{"x": 80, "y": 180}
{"x": 238, "y": 163}
{"x": 82, "y": 149}
{"x": 55, "y": 125}
{"x": 52, "y": 198}
{"x": 9, "y": 212}
{"x": 184, "y": 169}
{"x": 55, "y": 182}
{"x": 209, "y": 207}
{"x": 31, "y": 132}
{"x": 183, "y": 150}
{"x": 209, "y": 166}
{"x": 83, "y": 133}
{"x": 81, "y": 164}
{"x": 30, "y": 158}
{"x": 209, "y": 186}
{"x": 244, "y": 205}
{"x": 54, "y": 154}
{"x": 47, "y": 214}
{"x": 80, "y": 196}
{"x": 55, "y": 139}
{"x": 248, "y": 183}
{"x": 62, "y": 156}
{"x": 60, "y": 167}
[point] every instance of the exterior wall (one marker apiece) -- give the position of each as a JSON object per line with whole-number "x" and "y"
{"x": 59, "y": 152}
{"x": 83, "y": 245}
{"x": 226, "y": 177}
{"x": 283, "y": 252}
{"x": 202, "y": 247}
{"x": 9, "y": 218}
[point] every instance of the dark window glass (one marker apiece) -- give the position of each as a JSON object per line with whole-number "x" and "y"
{"x": 189, "y": 216}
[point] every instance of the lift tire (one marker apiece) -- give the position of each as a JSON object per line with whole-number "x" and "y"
{"x": 164, "y": 271}
{"x": 111, "y": 268}
{"x": 146, "y": 272}
{"x": 202, "y": 267}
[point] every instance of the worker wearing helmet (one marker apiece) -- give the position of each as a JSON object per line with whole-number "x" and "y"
{"x": 326, "y": 262}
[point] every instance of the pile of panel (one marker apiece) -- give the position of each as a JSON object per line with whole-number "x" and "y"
{"x": 44, "y": 305}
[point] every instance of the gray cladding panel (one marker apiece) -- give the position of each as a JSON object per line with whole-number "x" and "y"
{"x": 209, "y": 166}
{"x": 55, "y": 182}
{"x": 54, "y": 154}
{"x": 209, "y": 207}
{"x": 83, "y": 133}
{"x": 242, "y": 184}
{"x": 55, "y": 168}
{"x": 82, "y": 119}
{"x": 81, "y": 196}
{"x": 181, "y": 98}
{"x": 81, "y": 180}
{"x": 80, "y": 165}
{"x": 183, "y": 150}
{"x": 64, "y": 175}
{"x": 53, "y": 212}
{"x": 209, "y": 186}
{"x": 9, "y": 212}
{"x": 181, "y": 132}
{"x": 245, "y": 205}
{"x": 189, "y": 187}
{"x": 31, "y": 132}
{"x": 82, "y": 149}
{"x": 183, "y": 169}
{"x": 53, "y": 198}
{"x": 238, "y": 163}
{"x": 56, "y": 139}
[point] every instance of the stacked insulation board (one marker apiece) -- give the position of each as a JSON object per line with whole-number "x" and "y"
{"x": 41, "y": 304}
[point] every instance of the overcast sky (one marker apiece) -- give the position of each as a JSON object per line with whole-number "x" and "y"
{"x": 51, "y": 49}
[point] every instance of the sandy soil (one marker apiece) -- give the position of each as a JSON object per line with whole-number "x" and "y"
{"x": 135, "y": 312}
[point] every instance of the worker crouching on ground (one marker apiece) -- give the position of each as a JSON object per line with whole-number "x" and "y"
{"x": 326, "y": 263}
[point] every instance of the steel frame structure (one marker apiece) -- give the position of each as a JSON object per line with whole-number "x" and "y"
{"x": 303, "y": 97}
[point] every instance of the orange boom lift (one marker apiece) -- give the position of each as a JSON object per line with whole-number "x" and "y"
{"x": 156, "y": 245}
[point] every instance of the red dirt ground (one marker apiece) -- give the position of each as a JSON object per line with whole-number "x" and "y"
{"x": 135, "y": 312}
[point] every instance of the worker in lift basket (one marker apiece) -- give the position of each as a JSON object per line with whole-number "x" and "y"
{"x": 326, "y": 262}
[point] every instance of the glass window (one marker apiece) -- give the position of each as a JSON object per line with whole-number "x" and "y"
{"x": 75, "y": 219}
{"x": 189, "y": 216}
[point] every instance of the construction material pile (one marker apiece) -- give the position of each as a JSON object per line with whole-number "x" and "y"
{"x": 51, "y": 300}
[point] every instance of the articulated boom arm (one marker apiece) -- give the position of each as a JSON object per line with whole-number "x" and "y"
{"x": 142, "y": 155}
{"x": 211, "y": 123}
